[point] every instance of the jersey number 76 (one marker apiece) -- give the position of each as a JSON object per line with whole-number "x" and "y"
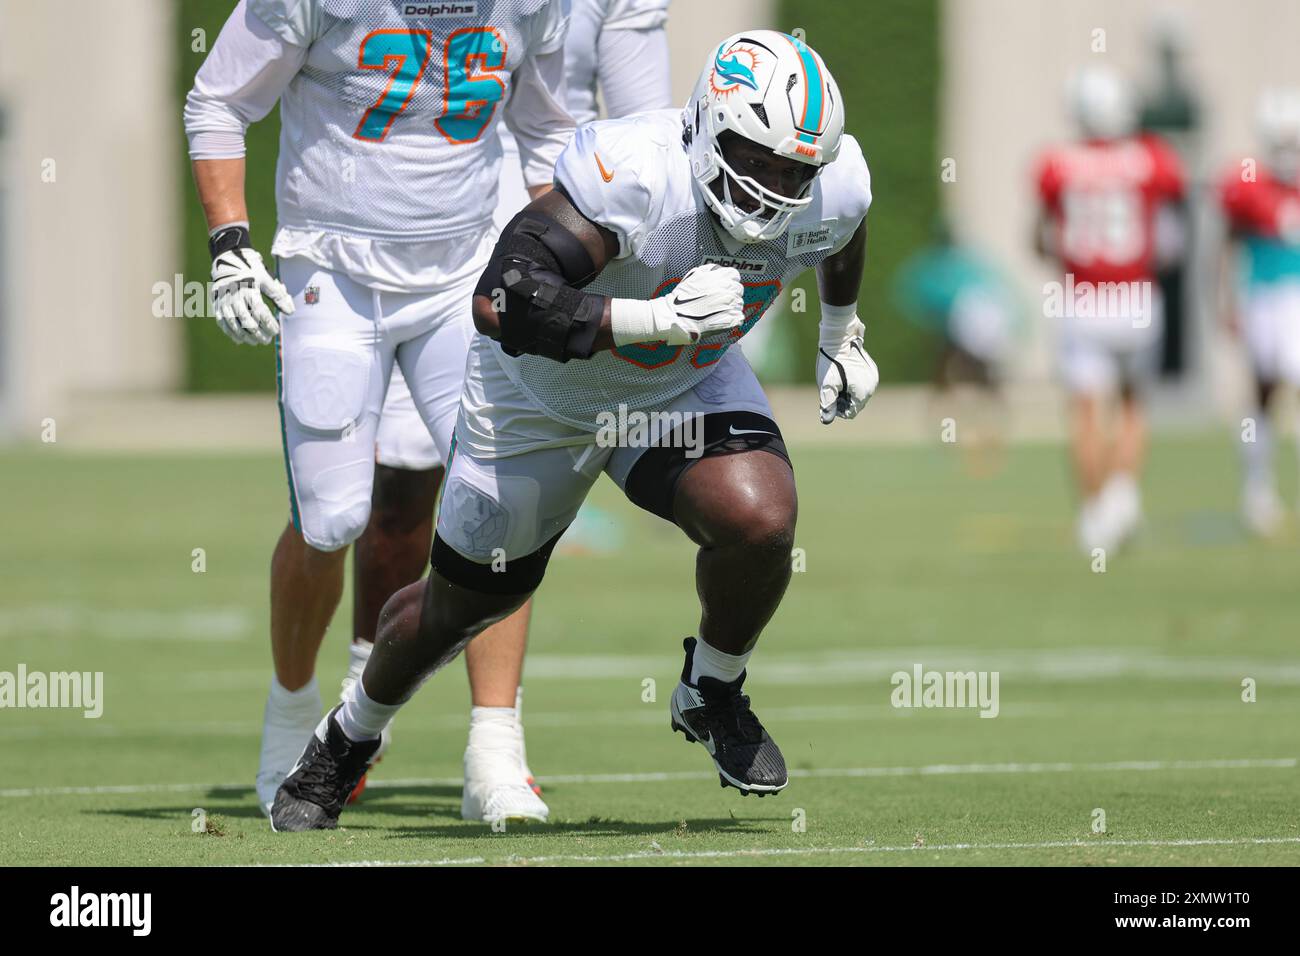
{"x": 470, "y": 91}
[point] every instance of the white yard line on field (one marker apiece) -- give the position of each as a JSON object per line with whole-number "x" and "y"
{"x": 636, "y": 715}
{"x": 857, "y": 666}
{"x": 1248, "y": 763}
{"x": 202, "y": 624}
{"x": 1100, "y": 843}
{"x": 640, "y": 715}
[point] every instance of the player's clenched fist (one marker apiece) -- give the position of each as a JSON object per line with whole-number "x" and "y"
{"x": 846, "y": 375}
{"x": 239, "y": 280}
{"x": 708, "y": 299}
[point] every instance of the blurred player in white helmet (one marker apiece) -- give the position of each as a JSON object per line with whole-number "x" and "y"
{"x": 667, "y": 237}
{"x": 1106, "y": 218}
{"x": 1260, "y": 197}
{"x": 622, "y": 47}
{"x": 385, "y": 188}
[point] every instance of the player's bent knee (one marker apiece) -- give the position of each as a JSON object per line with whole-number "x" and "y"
{"x": 747, "y": 510}
{"x": 334, "y": 530}
{"x": 664, "y": 480}
{"x": 333, "y": 521}
{"x": 753, "y": 521}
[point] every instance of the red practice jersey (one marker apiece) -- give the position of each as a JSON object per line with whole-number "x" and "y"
{"x": 1260, "y": 205}
{"x": 1102, "y": 198}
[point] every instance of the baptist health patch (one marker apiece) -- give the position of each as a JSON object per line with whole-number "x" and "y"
{"x": 800, "y": 241}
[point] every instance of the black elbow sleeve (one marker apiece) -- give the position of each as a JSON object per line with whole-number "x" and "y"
{"x": 533, "y": 282}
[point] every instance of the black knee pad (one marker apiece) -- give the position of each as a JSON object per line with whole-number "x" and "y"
{"x": 652, "y": 482}
{"x": 518, "y": 576}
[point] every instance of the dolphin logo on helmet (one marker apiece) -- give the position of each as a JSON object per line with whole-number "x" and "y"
{"x": 732, "y": 71}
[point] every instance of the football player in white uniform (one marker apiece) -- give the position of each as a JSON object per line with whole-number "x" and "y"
{"x": 621, "y": 45}
{"x": 385, "y": 187}
{"x": 667, "y": 236}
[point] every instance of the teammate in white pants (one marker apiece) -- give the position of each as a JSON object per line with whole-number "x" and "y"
{"x": 385, "y": 186}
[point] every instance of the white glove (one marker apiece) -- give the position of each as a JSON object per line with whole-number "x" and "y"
{"x": 708, "y": 299}
{"x": 239, "y": 280}
{"x": 846, "y": 375}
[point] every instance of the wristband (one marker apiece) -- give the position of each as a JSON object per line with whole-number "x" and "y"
{"x": 233, "y": 235}
{"x": 838, "y": 323}
{"x": 637, "y": 320}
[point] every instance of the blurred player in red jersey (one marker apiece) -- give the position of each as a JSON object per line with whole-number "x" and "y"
{"x": 1108, "y": 215}
{"x": 1261, "y": 203}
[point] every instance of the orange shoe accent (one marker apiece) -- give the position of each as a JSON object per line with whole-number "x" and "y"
{"x": 533, "y": 785}
{"x": 360, "y": 788}
{"x": 605, "y": 174}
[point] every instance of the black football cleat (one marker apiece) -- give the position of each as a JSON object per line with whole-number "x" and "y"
{"x": 313, "y": 794}
{"x": 717, "y": 715}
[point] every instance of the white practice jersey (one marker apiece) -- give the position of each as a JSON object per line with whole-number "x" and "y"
{"x": 388, "y": 113}
{"x": 384, "y": 126}
{"x": 632, "y": 176}
{"x": 622, "y": 46}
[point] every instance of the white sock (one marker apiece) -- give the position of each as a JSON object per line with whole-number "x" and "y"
{"x": 293, "y": 706}
{"x": 1257, "y": 455}
{"x": 1121, "y": 482}
{"x": 361, "y": 718}
{"x": 493, "y": 727}
{"x": 710, "y": 662}
{"x": 1121, "y": 491}
{"x": 358, "y": 657}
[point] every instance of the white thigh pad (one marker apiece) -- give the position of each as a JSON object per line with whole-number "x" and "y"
{"x": 336, "y": 508}
{"x": 327, "y": 387}
{"x": 483, "y": 523}
{"x": 510, "y": 507}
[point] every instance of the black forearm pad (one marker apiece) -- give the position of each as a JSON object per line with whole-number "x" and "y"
{"x": 532, "y": 281}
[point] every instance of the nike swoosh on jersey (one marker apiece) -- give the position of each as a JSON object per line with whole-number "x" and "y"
{"x": 605, "y": 174}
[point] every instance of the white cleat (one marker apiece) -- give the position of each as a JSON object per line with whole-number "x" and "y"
{"x": 496, "y": 785}
{"x": 1122, "y": 503}
{"x": 1095, "y": 528}
{"x": 1262, "y": 509}
{"x": 523, "y": 750}
{"x": 284, "y": 735}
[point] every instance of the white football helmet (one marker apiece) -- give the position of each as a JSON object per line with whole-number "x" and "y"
{"x": 1277, "y": 120}
{"x": 770, "y": 88}
{"x": 1101, "y": 104}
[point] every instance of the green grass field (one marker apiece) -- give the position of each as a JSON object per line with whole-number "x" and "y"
{"x": 1120, "y": 691}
